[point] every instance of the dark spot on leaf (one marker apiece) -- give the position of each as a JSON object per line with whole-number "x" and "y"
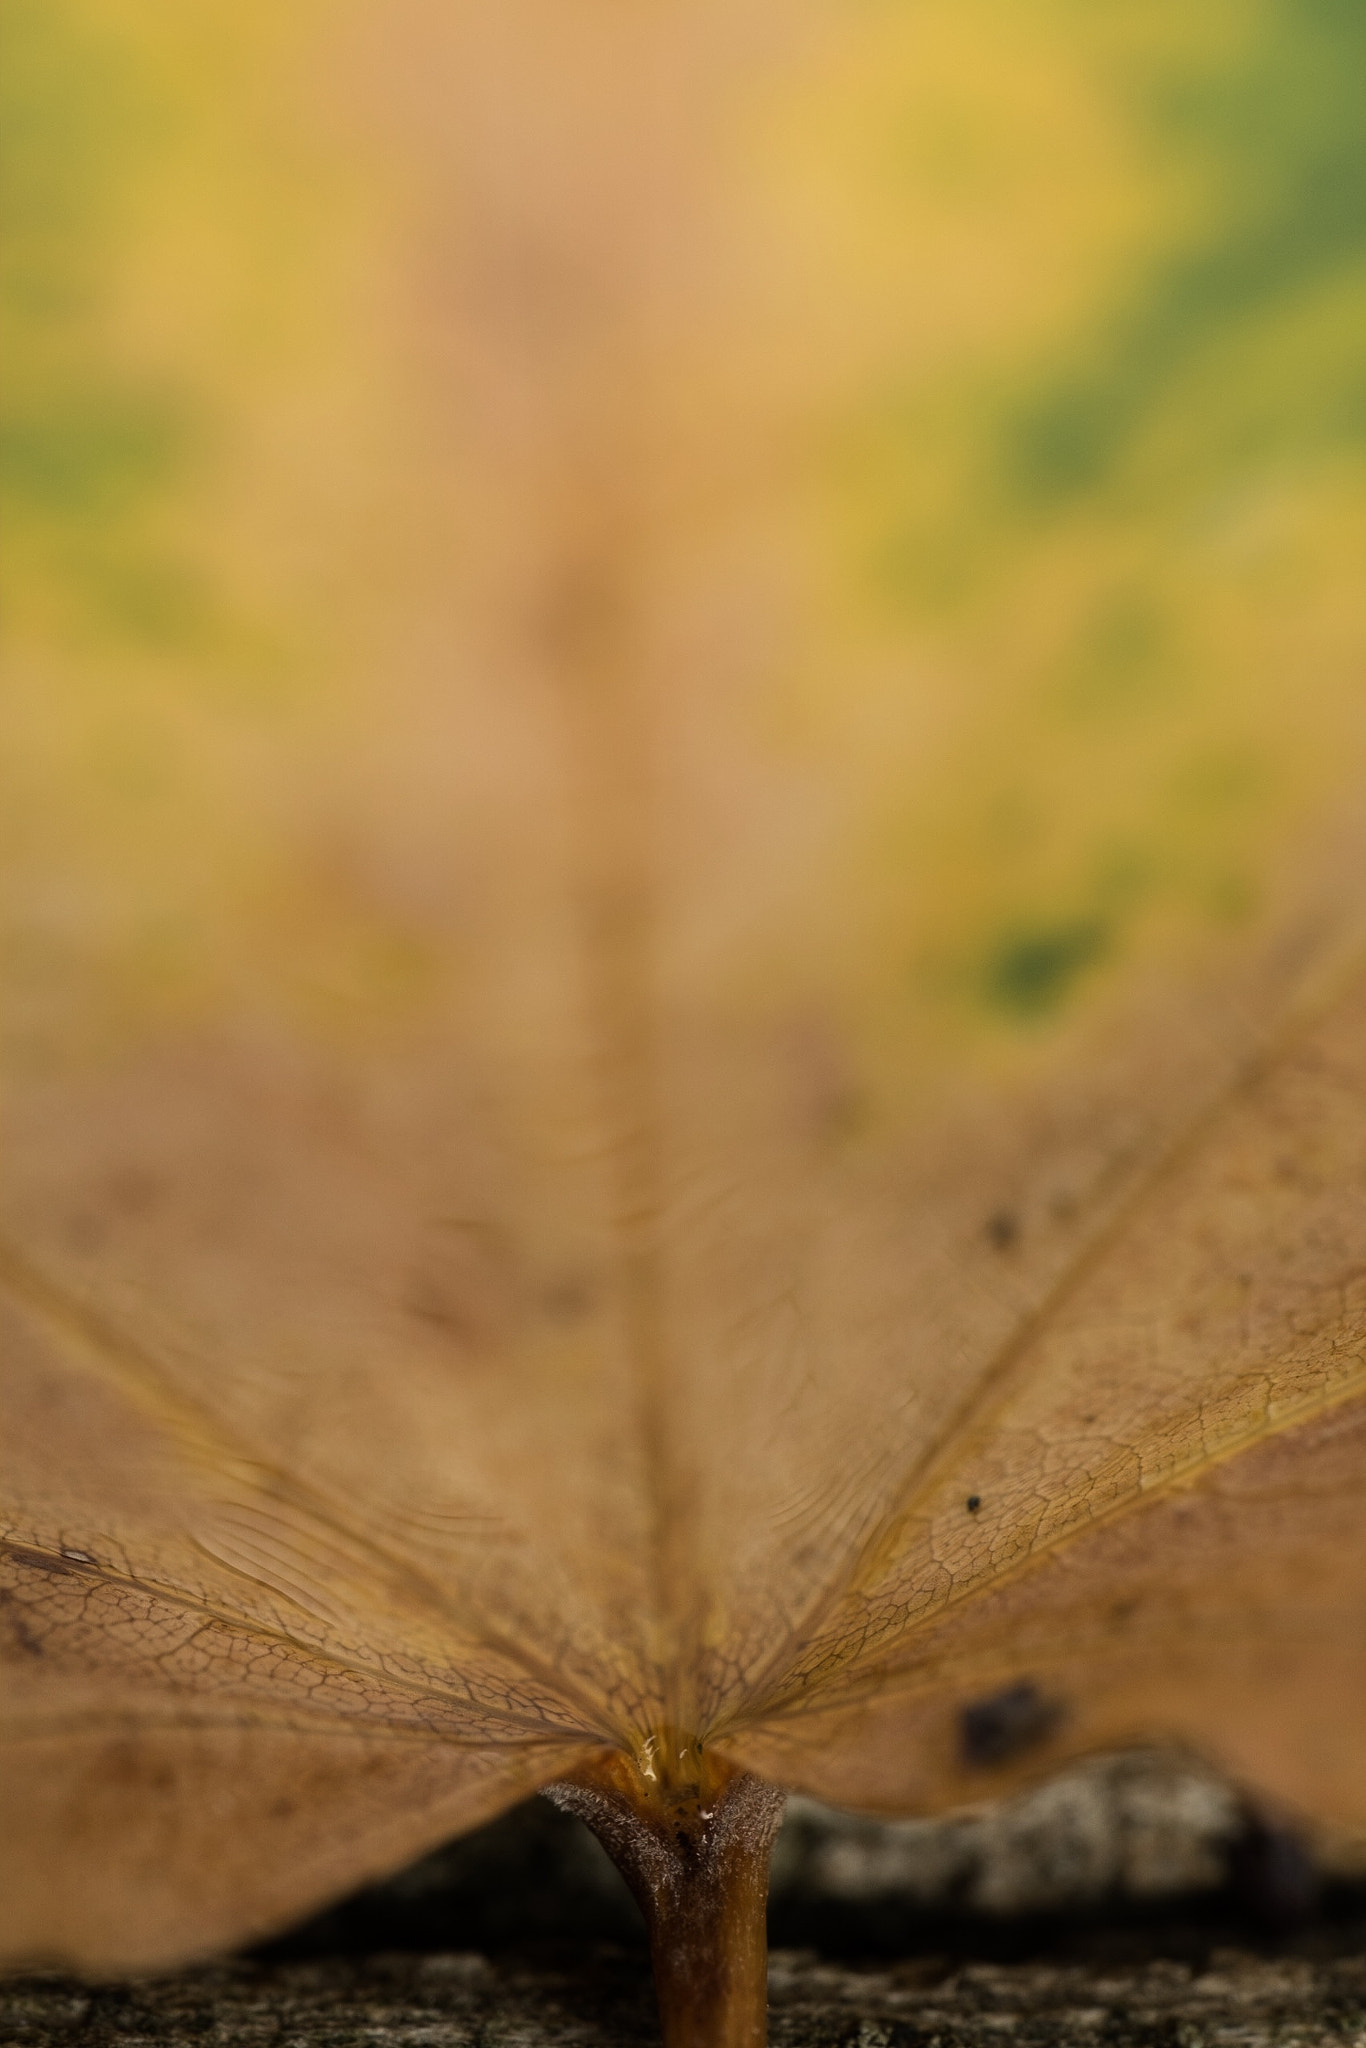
{"x": 974, "y": 1502}
{"x": 1032, "y": 969}
{"x": 38, "y": 1560}
{"x": 1001, "y": 1727}
{"x": 20, "y": 1633}
{"x": 1003, "y": 1229}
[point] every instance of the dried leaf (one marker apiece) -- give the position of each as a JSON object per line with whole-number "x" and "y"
{"x": 686, "y": 1010}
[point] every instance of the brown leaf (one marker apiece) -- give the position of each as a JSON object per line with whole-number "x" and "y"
{"x": 685, "y": 1051}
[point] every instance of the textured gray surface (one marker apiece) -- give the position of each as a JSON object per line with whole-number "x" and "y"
{"x": 1136, "y": 1826}
{"x": 470, "y": 2001}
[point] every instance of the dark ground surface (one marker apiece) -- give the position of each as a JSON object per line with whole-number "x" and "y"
{"x": 1129, "y": 1905}
{"x": 1301, "y": 1995}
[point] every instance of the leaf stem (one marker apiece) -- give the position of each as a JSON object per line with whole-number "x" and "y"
{"x": 692, "y": 1836}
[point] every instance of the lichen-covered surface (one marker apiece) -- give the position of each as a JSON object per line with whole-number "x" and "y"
{"x": 464, "y": 2000}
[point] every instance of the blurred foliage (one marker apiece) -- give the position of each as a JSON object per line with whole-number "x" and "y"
{"x": 92, "y": 439}
{"x": 1102, "y": 499}
{"x": 1127, "y": 535}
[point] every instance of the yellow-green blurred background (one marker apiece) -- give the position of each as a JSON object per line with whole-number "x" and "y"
{"x": 1059, "y": 375}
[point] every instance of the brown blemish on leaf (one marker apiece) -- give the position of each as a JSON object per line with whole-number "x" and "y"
{"x": 24, "y": 1638}
{"x": 1004, "y": 1725}
{"x": 37, "y": 1560}
{"x": 1002, "y": 1230}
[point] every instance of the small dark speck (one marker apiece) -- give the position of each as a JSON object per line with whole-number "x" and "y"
{"x": 974, "y": 1501}
{"x": 1003, "y": 1229}
{"x": 1001, "y": 1727}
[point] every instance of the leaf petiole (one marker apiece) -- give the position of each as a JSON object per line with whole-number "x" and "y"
{"x": 692, "y": 1835}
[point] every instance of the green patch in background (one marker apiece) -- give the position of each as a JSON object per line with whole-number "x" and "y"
{"x": 92, "y": 452}
{"x": 1031, "y": 969}
{"x": 1284, "y": 133}
{"x": 89, "y": 454}
{"x": 1142, "y": 554}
